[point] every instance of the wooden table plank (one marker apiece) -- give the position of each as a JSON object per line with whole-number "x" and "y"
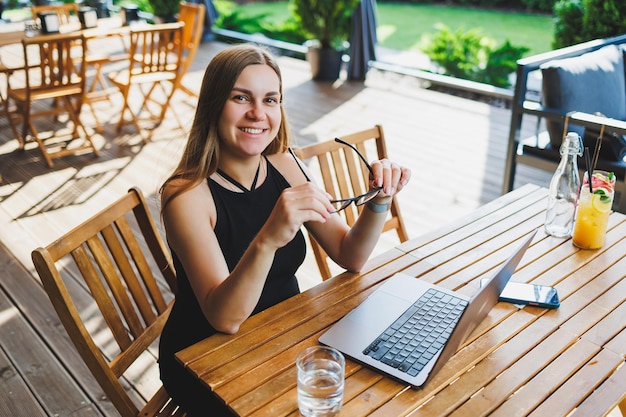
{"x": 584, "y": 382}
{"x": 618, "y": 343}
{"x": 612, "y": 394}
{"x": 538, "y": 389}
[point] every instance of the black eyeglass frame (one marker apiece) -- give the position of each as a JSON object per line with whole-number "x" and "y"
{"x": 345, "y": 202}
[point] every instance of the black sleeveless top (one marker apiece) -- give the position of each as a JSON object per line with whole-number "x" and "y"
{"x": 240, "y": 216}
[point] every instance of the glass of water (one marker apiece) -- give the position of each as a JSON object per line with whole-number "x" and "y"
{"x": 320, "y": 381}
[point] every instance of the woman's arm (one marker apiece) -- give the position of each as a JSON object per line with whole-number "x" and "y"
{"x": 350, "y": 247}
{"x": 227, "y": 299}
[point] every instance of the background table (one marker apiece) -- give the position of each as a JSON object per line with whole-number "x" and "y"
{"x": 528, "y": 361}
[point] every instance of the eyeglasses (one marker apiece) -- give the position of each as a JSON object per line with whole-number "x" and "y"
{"x": 343, "y": 203}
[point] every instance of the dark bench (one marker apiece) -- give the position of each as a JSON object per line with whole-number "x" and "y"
{"x": 585, "y": 84}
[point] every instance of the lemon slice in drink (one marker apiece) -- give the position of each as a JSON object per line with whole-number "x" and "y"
{"x": 601, "y": 201}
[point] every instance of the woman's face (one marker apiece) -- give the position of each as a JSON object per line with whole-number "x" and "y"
{"x": 251, "y": 116}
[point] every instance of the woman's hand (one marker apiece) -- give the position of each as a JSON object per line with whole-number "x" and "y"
{"x": 389, "y": 175}
{"x": 295, "y": 206}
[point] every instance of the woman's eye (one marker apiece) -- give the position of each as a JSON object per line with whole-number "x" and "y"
{"x": 240, "y": 97}
{"x": 272, "y": 100}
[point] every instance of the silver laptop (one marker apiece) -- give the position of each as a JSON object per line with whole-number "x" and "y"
{"x": 409, "y": 328}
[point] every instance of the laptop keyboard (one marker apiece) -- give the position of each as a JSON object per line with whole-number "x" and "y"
{"x": 415, "y": 337}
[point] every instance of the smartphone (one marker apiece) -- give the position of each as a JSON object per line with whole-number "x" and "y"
{"x": 530, "y": 294}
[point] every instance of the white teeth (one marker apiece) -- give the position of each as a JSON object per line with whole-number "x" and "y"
{"x": 252, "y": 131}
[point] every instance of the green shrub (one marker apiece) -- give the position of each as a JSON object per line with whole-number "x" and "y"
{"x": 582, "y": 20}
{"x": 165, "y": 8}
{"x": 502, "y": 62}
{"x": 459, "y": 53}
{"x": 471, "y": 56}
{"x": 288, "y": 31}
{"x": 327, "y": 21}
{"x": 604, "y": 18}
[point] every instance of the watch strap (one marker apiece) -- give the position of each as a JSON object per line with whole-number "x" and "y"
{"x": 378, "y": 207}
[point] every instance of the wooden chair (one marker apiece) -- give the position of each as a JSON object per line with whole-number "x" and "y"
{"x": 4, "y": 104}
{"x": 344, "y": 175}
{"x": 154, "y": 59}
{"x": 105, "y": 259}
{"x": 67, "y": 13}
{"x": 64, "y": 12}
{"x": 193, "y": 16}
{"x": 50, "y": 73}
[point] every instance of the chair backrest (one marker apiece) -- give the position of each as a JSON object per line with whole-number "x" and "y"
{"x": 193, "y": 16}
{"x": 63, "y": 11}
{"x": 344, "y": 175}
{"x": 156, "y": 49}
{"x": 110, "y": 258}
{"x": 54, "y": 63}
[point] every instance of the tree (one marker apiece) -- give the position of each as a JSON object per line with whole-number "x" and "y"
{"x": 582, "y": 20}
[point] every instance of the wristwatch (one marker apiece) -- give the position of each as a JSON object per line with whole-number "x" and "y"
{"x": 378, "y": 207}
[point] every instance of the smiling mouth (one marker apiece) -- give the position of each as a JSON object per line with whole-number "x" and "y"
{"x": 252, "y": 131}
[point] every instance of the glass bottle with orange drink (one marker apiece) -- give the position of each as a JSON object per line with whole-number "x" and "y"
{"x": 593, "y": 210}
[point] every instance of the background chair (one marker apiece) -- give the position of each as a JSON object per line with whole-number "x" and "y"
{"x": 50, "y": 73}
{"x": 192, "y": 15}
{"x": 344, "y": 175}
{"x": 110, "y": 260}
{"x": 67, "y": 13}
{"x": 4, "y": 105}
{"x": 155, "y": 56}
{"x": 63, "y": 11}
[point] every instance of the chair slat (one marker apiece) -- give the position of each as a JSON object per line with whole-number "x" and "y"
{"x": 141, "y": 263}
{"x": 124, "y": 278}
{"x": 101, "y": 297}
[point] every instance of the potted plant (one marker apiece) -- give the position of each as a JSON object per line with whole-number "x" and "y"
{"x": 327, "y": 23}
{"x": 165, "y": 10}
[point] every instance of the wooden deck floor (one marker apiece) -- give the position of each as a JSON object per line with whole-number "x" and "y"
{"x": 455, "y": 147}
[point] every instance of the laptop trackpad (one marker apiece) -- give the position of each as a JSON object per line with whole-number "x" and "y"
{"x": 379, "y": 311}
{"x": 355, "y": 331}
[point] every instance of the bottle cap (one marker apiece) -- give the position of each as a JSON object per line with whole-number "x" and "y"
{"x": 572, "y": 144}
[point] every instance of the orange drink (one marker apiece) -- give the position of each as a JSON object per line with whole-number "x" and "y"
{"x": 593, "y": 210}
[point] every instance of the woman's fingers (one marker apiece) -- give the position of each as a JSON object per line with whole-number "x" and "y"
{"x": 390, "y": 176}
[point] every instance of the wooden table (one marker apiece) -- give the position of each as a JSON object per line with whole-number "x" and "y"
{"x": 13, "y": 33}
{"x": 527, "y": 361}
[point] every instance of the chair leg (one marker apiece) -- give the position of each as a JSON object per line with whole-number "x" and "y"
{"x": 187, "y": 91}
{"x": 42, "y": 147}
{"x": 126, "y": 107}
{"x": 321, "y": 258}
{"x": 5, "y": 110}
{"x": 89, "y": 104}
{"x": 75, "y": 117}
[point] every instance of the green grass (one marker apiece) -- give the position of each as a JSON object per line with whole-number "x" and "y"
{"x": 405, "y": 26}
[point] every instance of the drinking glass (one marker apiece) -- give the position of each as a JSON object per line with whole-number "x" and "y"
{"x": 320, "y": 381}
{"x": 593, "y": 210}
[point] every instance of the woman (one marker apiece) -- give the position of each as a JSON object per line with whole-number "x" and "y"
{"x": 233, "y": 210}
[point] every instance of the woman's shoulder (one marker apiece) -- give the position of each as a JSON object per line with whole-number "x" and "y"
{"x": 185, "y": 190}
{"x": 285, "y": 163}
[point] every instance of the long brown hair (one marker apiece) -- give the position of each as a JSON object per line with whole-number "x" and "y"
{"x": 201, "y": 154}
